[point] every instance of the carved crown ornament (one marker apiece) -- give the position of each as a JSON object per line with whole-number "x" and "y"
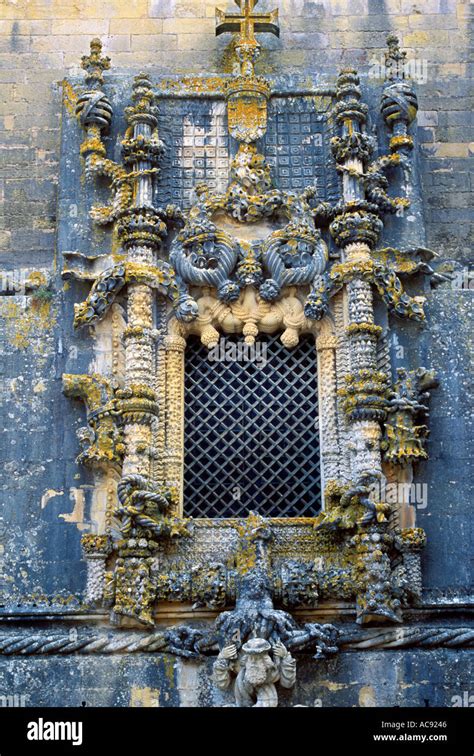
{"x": 252, "y": 259}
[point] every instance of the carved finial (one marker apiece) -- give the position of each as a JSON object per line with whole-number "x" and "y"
{"x": 393, "y": 43}
{"x": 140, "y": 81}
{"x": 245, "y": 24}
{"x": 143, "y": 108}
{"x": 399, "y": 104}
{"x": 394, "y": 58}
{"x": 93, "y": 107}
{"x": 142, "y": 92}
{"x": 95, "y": 63}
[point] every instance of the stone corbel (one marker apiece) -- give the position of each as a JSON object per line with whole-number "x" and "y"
{"x": 405, "y": 437}
{"x": 102, "y": 439}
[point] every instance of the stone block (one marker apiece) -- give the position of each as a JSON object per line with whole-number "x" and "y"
{"x": 95, "y": 27}
{"x": 63, "y": 42}
{"x": 427, "y": 118}
{"x": 349, "y": 7}
{"x": 306, "y": 41}
{"x": 162, "y": 8}
{"x": 424, "y": 7}
{"x": 136, "y": 26}
{"x": 116, "y": 43}
{"x": 15, "y": 26}
{"x": 194, "y": 41}
{"x": 151, "y": 42}
{"x": 438, "y": 21}
{"x": 12, "y": 75}
{"x": 188, "y": 26}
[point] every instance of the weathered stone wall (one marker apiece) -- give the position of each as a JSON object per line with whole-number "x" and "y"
{"x": 394, "y": 678}
{"x": 45, "y": 494}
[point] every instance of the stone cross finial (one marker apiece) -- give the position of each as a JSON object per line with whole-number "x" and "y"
{"x": 95, "y": 63}
{"x": 246, "y": 23}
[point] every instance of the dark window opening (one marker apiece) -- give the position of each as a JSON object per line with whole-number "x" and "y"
{"x": 252, "y": 430}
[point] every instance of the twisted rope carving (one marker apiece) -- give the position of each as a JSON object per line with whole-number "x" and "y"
{"x": 417, "y": 637}
{"x": 111, "y": 281}
{"x": 299, "y": 274}
{"x": 226, "y": 256}
{"x": 94, "y": 108}
{"x": 134, "y": 494}
{"x": 95, "y": 644}
{"x": 408, "y": 637}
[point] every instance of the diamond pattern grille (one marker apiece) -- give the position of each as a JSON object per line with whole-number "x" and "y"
{"x": 252, "y": 433}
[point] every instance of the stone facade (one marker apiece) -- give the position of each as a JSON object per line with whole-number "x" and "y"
{"x": 42, "y": 570}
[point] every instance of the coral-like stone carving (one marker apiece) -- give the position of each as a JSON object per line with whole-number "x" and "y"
{"x": 102, "y": 438}
{"x": 204, "y": 254}
{"x": 404, "y": 439}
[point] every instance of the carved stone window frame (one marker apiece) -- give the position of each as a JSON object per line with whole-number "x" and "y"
{"x": 359, "y": 552}
{"x": 278, "y": 317}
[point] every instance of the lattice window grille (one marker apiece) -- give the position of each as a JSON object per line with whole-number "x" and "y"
{"x": 252, "y": 433}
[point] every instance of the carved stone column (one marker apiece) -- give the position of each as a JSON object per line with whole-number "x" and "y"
{"x": 140, "y": 230}
{"x": 356, "y": 230}
{"x": 96, "y": 549}
{"x": 362, "y": 336}
{"x": 174, "y": 346}
{"x": 326, "y": 346}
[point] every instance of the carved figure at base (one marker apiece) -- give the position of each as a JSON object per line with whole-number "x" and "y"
{"x": 255, "y": 672}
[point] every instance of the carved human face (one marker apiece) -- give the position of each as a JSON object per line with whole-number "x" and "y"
{"x": 256, "y": 666}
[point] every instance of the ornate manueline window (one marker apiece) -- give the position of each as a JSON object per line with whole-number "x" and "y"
{"x": 251, "y": 429}
{"x": 210, "y": 467}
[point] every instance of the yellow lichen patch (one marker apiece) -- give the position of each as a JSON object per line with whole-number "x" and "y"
{"x": 36, "y": 279}
{"x": 94, "y": 145}
{"x": 69, "y": 98}
{"x": 94, "y": 390}
{"x": 364, "y": 328}
{"x": 415, "y": 538}
{"x": 169, "y": 668}
{"x": 25, "y": 326}
{"x": 246, "y": 559}
{"x": 367, "y": 696}
{"x": 401, "y": 141}
{"x": 143, "y": 273}
{"x": 117, "y": 256}
{"x": 251, "y": 531}
{"x": 332, "y": 686}
{"x": 393, "y": 257}
{"x": 92, "y": 543}
{"x": 146, "y": 697}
